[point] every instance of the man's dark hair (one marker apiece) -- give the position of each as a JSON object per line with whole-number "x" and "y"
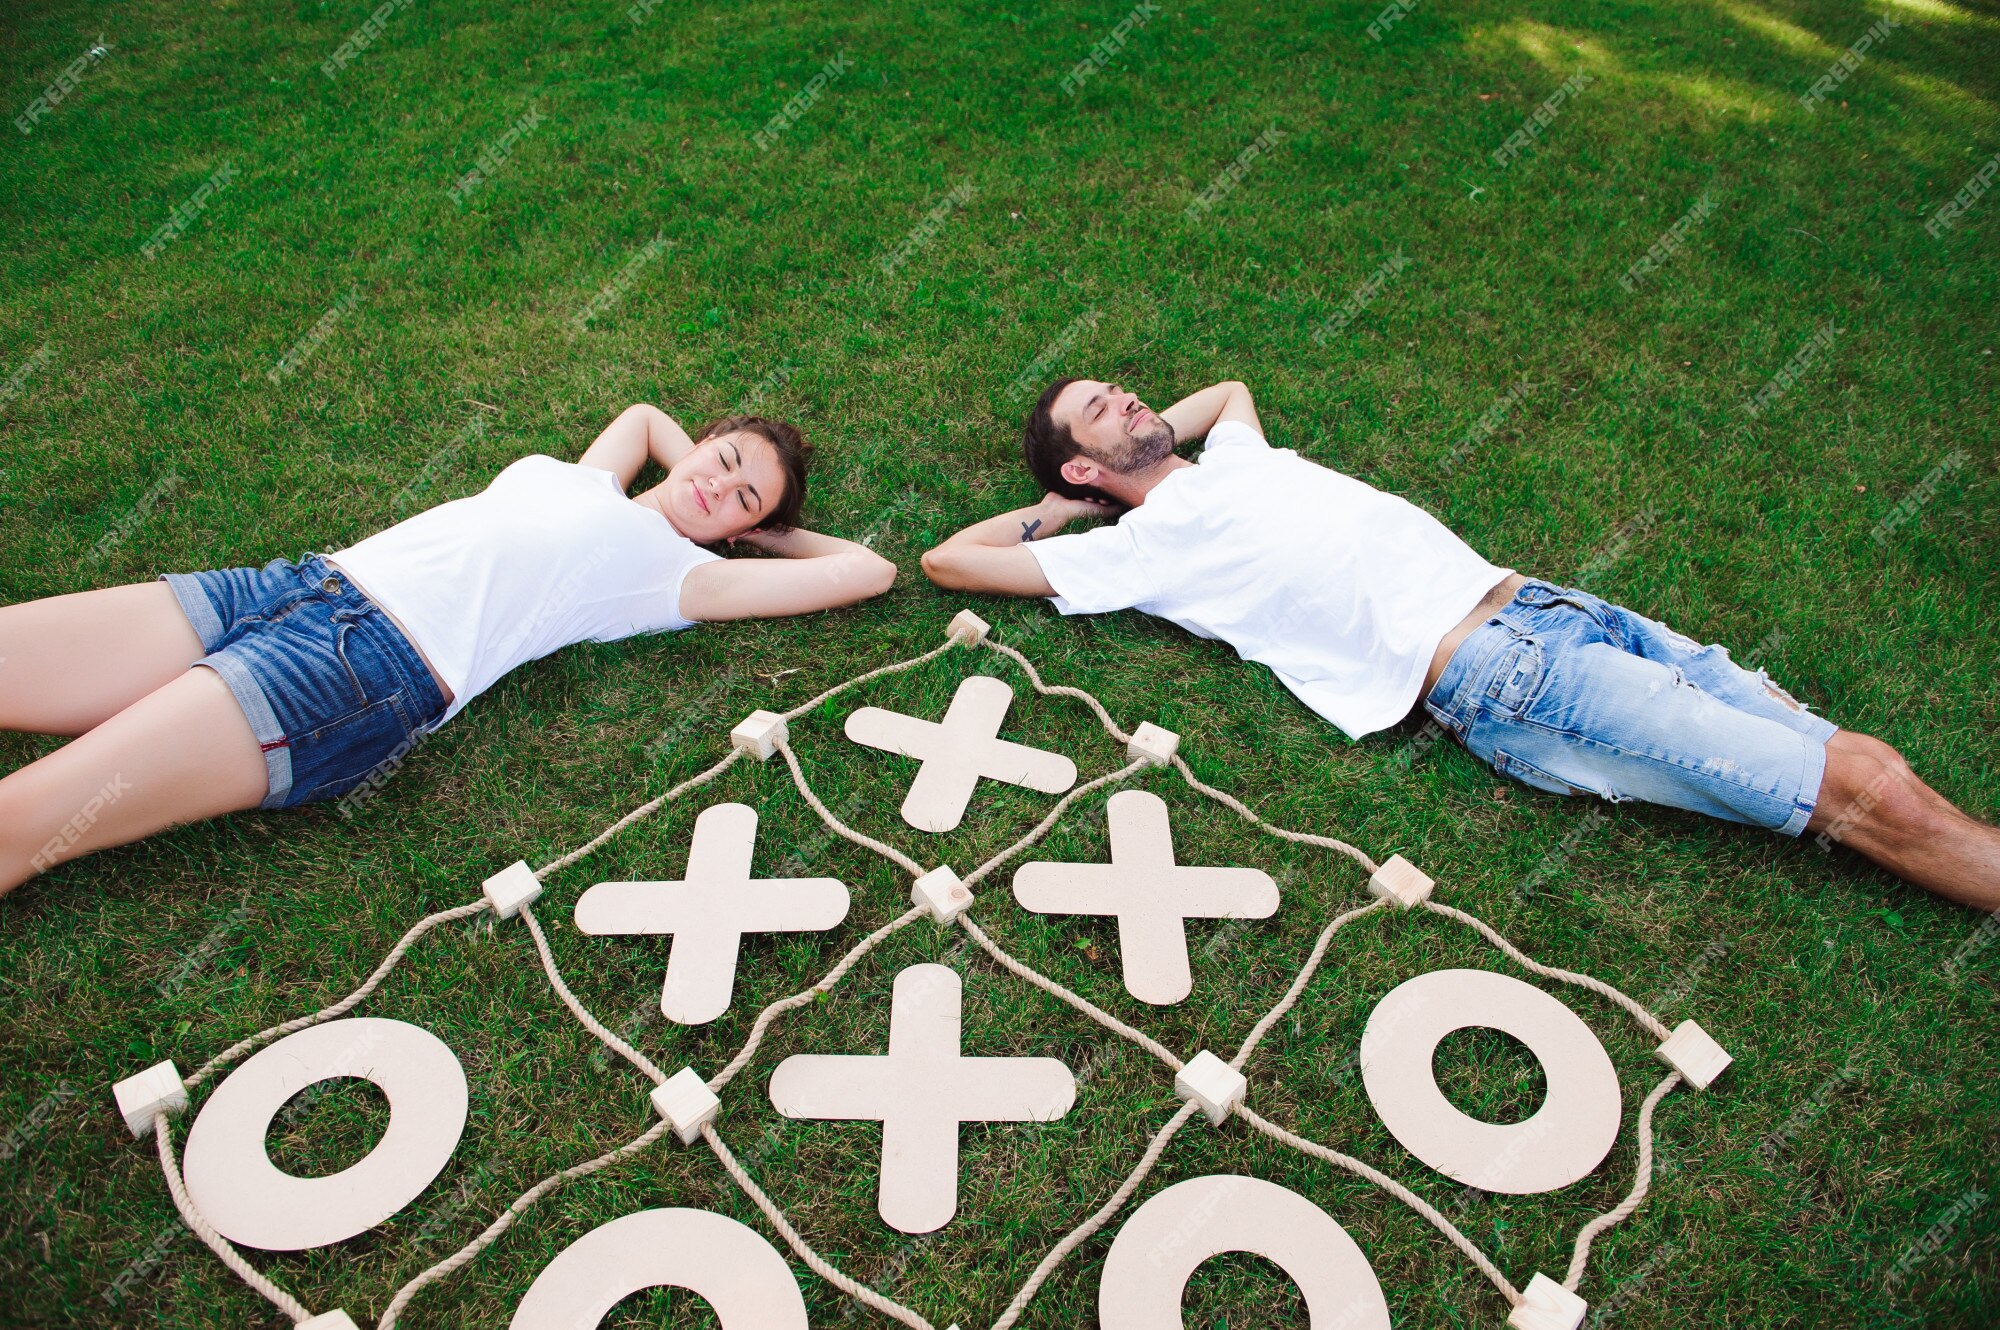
{"x": 794, "y": 455}
{"x": 1046, "y": 446}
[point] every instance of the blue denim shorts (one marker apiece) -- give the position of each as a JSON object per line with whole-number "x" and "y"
{"x": 1571, "y": 694}
{"x": 332, "y": 688}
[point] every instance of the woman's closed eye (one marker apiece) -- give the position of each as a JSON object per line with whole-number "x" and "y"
{"x": 732, "y": 458}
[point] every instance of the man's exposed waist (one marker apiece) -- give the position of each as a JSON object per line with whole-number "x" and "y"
{"x": 1489, "y": 605}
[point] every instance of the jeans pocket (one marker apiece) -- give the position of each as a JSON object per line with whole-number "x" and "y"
{"x": 1516, "y": 678}
{"x": 342, "y": 753}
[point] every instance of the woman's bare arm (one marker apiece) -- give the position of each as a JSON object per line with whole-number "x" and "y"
{"x": 811, "y": 572}
{"x": 639, "y": 434}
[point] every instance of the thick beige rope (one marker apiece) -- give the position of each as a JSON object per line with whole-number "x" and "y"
{"x": 492, "y": 1233}
{"x": 1054, "y": 989}
{"x": 1642, "y": 1182}
{"x": 1057, "y": 690}
{"x": 820, "y": 1265}
{"x": 1521, "y": 958}
{"x": 218, "y": 1244}
{"x": 1298, "y": 987}
{"x": 646, "y": 809}
{"x": 1242, "y": 809}
{"x": 577, "y": 1009}
{"x": 1089, "y": 1227}
{"x": 423, "y": 926}
{"x": 1041, "y": 828}
{"x": 1396, "y": 1189}
{"x": 860, "y": 679}
{"x": 841, "y": 829}
{"x": 800, "y": 999}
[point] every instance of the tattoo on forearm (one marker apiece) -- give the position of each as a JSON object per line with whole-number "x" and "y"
{"x": 1028, "y": 530}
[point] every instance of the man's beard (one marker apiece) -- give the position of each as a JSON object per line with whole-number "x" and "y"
{"x": 1145, "y": 450}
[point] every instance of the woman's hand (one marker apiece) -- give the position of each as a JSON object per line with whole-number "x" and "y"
{"x": 796, "y": 543}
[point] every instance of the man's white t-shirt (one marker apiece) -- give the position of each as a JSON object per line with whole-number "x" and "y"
{"x": 548, "y": 554}
{"x": 1344, "y": 591}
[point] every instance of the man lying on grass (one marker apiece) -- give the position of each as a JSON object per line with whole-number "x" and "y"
{"x": 319, "y": 676}
{"x": 1363, "y": 604}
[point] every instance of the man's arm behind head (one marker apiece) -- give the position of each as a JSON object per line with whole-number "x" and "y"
{"x": 993, "y": 556}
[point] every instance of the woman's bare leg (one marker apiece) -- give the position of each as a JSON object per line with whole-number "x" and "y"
{"x": 69, "y": 663}
{"x": 182, "y": 753}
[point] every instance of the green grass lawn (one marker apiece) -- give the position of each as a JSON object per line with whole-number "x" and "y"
{"x": 152, "y": 434}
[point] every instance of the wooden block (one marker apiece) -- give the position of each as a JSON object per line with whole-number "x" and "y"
{"x": 1154, "y": 743}
{"x": 1691, "y": 1051}
{"x": 1547, "y": 1305}
{"x": 943, "y": 892}
{"x": 1401, "y": 881}
{"x": 759, "y": 734}
{"x": 1150, "y": 895}
{"x": 157, "y": 1087}
{"x": 684, "y": 1100}
{"x": 333, "y": 1320}
{"x": 967, "y": 628}
{"x": 959, "y": 751}
{"x": 511, "y": 888}
{"x": 1212, "y": 1083}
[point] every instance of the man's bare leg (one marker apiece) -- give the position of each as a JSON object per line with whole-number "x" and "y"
{"x": 1871, "y": 802}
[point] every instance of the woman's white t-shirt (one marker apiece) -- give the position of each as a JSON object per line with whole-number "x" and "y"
{"x": 1344, "y": 591}
{"x": 548, "y": 554}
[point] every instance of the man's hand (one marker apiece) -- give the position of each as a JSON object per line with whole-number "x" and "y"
{"x": 1196, "y": 414}
{"x": 1058, "y": 511}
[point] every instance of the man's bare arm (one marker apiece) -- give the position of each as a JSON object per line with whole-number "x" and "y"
{"x": 1196, "y": 414}
{"x": 993, "y": 555}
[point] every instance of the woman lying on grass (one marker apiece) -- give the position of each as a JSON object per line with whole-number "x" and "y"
{"x": 320, "y": 672}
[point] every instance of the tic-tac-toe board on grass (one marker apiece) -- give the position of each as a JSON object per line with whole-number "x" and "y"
{"x": 926, "y": 1083}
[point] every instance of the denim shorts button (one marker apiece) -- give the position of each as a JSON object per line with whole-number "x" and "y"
{"x": 331, "y": 586}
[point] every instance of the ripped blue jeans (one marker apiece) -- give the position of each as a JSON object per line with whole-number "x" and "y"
{"x": 1571, "y": 694}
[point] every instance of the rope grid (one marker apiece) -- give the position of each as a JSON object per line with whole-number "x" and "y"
{"x": 1155, "y": 1148}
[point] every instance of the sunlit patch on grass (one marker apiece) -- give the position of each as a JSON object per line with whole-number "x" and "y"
{"x": 1791, "y": 36}
{"x": 1555, "y": 49}
{"x": 1938, "y": 11}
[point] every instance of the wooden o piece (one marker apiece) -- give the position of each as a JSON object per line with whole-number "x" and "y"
{"x": 1151, "y": 896}
{"x": 920, "y": 1093}
{"x": 1567, "y": 1137}
{"x": 230, "y": 1176}
{"x": 744, "y": 1279}
{"x": 959, "y": 751}
{"x": 710, "y": 910}
{"x": 1171, "y": 1235}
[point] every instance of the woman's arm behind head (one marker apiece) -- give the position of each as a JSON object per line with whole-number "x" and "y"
{"x": 811, "y": 572}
